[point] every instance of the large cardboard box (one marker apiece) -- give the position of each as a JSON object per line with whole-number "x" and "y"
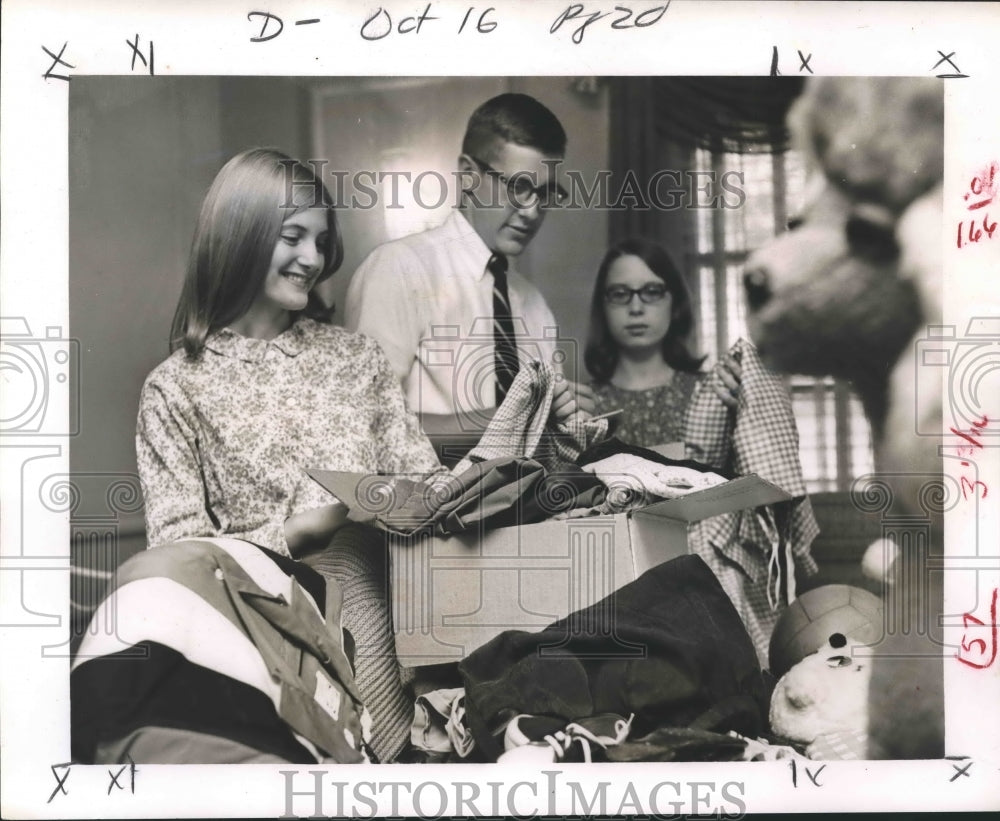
{"x": 452, "y": 594}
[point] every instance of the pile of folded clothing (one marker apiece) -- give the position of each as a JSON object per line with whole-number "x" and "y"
{"x": 663, "y": 669}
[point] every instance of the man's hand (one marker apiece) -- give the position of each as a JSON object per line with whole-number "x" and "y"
{"x": 726, "y": 377}
{"x": 571, "y": 399}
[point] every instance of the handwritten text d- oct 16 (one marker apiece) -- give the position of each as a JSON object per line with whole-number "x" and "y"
{"x": 380, "y": 24}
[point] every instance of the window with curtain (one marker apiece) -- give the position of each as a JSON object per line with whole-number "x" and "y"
{"x": 835, "y": 440}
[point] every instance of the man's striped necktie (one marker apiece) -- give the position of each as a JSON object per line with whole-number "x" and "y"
{"x": 505, "y": 361}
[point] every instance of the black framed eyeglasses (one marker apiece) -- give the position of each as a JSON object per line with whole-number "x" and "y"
{"x": 622, "y": 294}
{"x": 521, "y": 192}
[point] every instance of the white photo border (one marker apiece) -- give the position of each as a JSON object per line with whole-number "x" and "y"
{"x": 52, "y": 38}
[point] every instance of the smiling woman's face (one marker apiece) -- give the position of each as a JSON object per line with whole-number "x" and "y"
{"x": 636, "y": 326}
{"x": 296, "y": 264}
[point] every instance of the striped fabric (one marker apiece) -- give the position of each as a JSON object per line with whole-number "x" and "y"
{"x": 754, "y": 553}
{"x": 222, "y": 652}
{"x": 357, "y": 561}
{"x": 505, "y": 363}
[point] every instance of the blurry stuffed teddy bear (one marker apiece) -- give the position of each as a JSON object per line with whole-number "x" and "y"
{"x": 847, "y": 293}
{"x": 822, "y": 702}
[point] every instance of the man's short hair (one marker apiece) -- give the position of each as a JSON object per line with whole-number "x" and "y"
{"x": 514, "y": 118}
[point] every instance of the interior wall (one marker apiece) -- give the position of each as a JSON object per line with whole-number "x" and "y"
{"x": 142, "y": 153}
{"x": 264, "y": 111}
{"x": 562, "y": 259}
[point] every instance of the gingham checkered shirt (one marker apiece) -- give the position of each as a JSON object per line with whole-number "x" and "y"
{"x": 519, "y": 426}
{"x": 761, "y": 438}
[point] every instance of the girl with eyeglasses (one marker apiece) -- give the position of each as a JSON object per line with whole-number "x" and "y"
{"x": 637, "y": 354}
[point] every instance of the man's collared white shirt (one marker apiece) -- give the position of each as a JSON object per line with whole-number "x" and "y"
{"x": 428, "y": 301}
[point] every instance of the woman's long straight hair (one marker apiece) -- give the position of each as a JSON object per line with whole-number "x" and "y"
{"x": 238, "y": 228}
{"x": 601, "y": 353}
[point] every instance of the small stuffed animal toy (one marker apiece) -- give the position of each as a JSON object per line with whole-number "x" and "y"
{"x": 822, "y": 702}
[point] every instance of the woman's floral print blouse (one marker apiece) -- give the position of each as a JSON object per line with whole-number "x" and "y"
{"x": 223, "y": 442}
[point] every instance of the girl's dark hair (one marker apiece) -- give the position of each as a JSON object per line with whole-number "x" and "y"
{"x": 238, "y": 228}
{"x": 601, "y": 353}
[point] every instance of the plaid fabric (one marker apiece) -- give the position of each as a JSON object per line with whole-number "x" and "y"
{"x": 843, "y": 745}
{"x": 518, "y": 428}
{"x": 753, "y": 552}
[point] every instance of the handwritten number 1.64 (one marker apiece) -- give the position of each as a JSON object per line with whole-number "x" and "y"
{"x": 972, "y": 232}
{"x": 982, "y": 191}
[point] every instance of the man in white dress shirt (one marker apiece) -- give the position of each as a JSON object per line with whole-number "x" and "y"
{"x": 437, "y": 301}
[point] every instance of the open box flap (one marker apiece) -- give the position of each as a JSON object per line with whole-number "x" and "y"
{"x": 739, "y": 494}
{"x": 344, "y": 485}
